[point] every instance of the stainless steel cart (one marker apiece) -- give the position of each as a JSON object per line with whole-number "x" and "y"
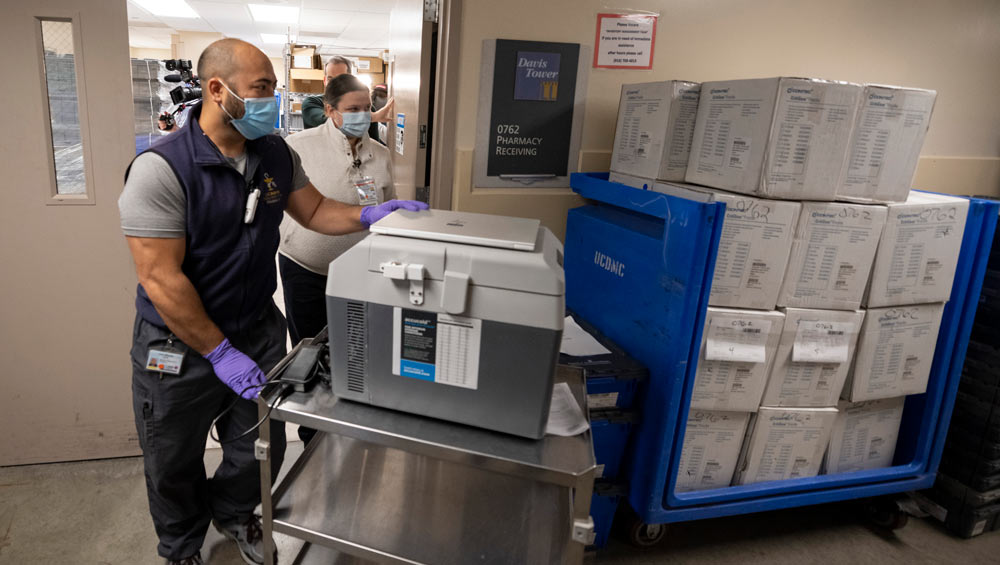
{"x": 392, "y": 487}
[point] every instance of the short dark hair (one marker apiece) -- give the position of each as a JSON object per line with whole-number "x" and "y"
{"x": 341, "y": 85}
{"x": 219, "y": 59}
{"x": 338, "y": 60}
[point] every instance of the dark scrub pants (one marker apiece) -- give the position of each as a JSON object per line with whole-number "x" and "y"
{"x": 173, "y": 414}
{"x": 305, "y": 306}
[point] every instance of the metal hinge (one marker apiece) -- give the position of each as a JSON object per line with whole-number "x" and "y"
{"x": 583, "y": 531}
{"x": 261, "y": 450}
{"x": 431, "y": 8}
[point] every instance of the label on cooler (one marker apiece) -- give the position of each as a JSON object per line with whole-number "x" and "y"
{"x": 602, "y": 400}
{"x": 439, "y": 348}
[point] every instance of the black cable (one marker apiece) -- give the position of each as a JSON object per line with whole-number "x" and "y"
{"x": 239, "y": 397}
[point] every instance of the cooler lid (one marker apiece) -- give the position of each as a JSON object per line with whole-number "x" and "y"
{"x": 462, "y": 227}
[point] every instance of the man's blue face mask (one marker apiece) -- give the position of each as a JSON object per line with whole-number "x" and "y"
{"x": 259, "y": 115}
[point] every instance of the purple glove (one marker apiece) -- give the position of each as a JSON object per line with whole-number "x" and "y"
{"x": 238, "y": 371}
{"x": 372, "y": 214}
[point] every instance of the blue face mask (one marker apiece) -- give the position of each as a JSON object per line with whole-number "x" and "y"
{"x": 259, "y": 115}
{"x": 355, "y": 123}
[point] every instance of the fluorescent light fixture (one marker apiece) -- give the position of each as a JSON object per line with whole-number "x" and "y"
{"x": 275, "y": 38}
{"x": 274, "y": 14}
{"x": 167, "y": 8}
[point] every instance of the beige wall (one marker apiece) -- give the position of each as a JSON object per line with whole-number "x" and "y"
{"x": 147, "y": 53}
{"x": 952, "y": 47}
{"x": 190, "y": 44}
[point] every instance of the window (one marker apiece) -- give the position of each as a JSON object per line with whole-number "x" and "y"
{"x": 58, "y": 50}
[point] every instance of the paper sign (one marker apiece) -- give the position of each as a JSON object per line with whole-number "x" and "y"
{"x": 565, "y": 415}
{"x": 578, "y": 343}
{"x": 817, "y": 341}
{"x": 400, "y": 131}
{"x": 736, "y": 339}
{"x": 625, "y": 41}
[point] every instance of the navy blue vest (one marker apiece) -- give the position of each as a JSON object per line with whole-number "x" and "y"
{"x": 230, "y": 263}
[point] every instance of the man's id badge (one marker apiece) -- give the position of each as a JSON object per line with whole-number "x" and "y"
{"x": 367, "y": 191}
{"x": 165, "y": 360}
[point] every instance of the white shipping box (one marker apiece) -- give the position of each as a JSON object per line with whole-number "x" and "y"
{"x": 918, "y": 252}
{"x": 885, "y": 146}
{"x": 784, "y": 138}
{"x": 814, "y": 357}
{"x": 654, "y": 129}
{"x": 754, "y": 247}
{"x": 631, "y": 180}
{"x": 895, "y": 352}
{"x": 864, "y": 435}
{"x": 786, "y": 443}
{"x": 737, "y": 350}
{"x": 832, "y": 255}
{"x": 712, "y": 442}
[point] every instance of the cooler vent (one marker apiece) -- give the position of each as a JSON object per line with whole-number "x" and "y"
{"x": 357, "y": 355}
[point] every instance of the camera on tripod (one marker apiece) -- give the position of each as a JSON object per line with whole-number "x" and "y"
{"x": 190, "y": 90}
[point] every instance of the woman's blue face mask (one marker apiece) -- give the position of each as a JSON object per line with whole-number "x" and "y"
{"x": 259, "y": 115}
{"x": 355, "y": 124}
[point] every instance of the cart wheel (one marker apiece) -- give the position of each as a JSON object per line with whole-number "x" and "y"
{"x": 641, "y": 534}
{"x": 885, "y": 513}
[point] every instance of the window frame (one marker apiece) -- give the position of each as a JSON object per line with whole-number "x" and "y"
{"x": 51, "y": 195}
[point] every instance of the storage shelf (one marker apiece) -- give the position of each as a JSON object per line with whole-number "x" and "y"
{"x": 383, "y": 504}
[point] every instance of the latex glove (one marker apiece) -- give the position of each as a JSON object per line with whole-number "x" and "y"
{"x": 372, "y": 214}
{"x": 237, "y": 370}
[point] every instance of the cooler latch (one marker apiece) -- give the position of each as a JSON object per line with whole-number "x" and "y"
{"x": 456, "y": 289}
{"x": 406, "y": 272}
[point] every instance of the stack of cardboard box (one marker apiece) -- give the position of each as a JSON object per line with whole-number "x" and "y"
{"x": 831, "y": 275}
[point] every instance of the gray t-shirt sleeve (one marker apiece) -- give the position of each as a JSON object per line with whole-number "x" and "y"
{"x": 153, "y": 203}
{"x": 299, "y": 177}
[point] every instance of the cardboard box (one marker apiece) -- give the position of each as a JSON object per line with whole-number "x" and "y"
{"x": 918, "y": 252}
{"x": 655, "y": 125}
{"x": 307, "y": 81}
{"x": 814, "y": 357}
{"x": 888, "y": 134}
{"x": 631, "y": 180}
{"x": 305, "y": 57}
{"x": 832, "y": 255}
{"x": 895, "y": 352}
{"x": 368, "y": 65}
{"x": 784, "y": 138}
{"x": 712, "y": 442}
{"x": 864, "y": 435}
{"x": 737, "y": 351}
{"x": 754, "y": 248}
{"x": 785, "y": 443}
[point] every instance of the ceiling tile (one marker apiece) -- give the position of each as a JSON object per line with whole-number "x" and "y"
{"x": 137, "y": 14}
{"x": 329, "y": 21}
{"x": 371, "y": 20}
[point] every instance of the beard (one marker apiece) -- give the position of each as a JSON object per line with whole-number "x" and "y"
{"x": 232, "y": 109}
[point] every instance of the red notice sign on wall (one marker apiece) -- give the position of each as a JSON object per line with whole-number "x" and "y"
{"x": 625, "y": 41}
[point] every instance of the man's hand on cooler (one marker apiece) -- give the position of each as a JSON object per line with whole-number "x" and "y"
{"x": 372, "y": 214}
{"x": 238, "y": 371}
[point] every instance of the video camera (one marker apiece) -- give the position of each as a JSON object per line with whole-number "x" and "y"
{"x": 188, "y": 92}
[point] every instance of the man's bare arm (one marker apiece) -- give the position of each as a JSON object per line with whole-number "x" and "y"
{"x": 158, "y": 266}
{"x": 324, "y": 215}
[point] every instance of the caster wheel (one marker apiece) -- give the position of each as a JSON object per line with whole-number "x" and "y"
{"x": 885, "y": 513}
{"x": 646, "y": 535}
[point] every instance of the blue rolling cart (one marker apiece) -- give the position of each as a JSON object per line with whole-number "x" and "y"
{"x": 639, "y": 266}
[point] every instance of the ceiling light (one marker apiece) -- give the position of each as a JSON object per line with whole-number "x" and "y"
{"x": 167, "y": 8}
{"x": 274, "y": 14}
{"x": 275, "y": 38}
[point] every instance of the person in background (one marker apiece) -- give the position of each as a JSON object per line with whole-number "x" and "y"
{"x": 201, "y": 211}
{"x": 313, "y": 108}
{"x": 347, "y": 166}
{"x": 380, "y": 97}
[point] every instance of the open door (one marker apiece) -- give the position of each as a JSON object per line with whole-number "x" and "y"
{"x": 68, "y": 283}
